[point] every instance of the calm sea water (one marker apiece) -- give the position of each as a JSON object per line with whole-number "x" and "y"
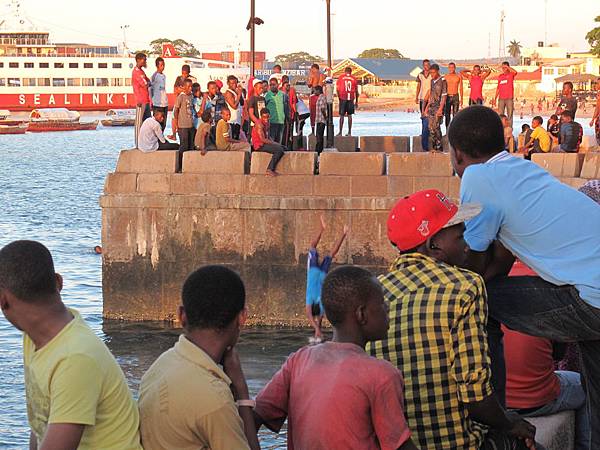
{"x": 49, "y": 189}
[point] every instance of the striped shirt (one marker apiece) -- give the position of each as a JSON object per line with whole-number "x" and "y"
{"x": 437, "y": 338}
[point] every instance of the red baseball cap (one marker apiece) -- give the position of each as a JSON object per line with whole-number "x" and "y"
{"x": 219, "y": 84}
{"x": 418, "y": 216}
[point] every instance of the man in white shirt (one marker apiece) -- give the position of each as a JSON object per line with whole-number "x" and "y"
{"x": 151, "y": 137}
{"x": 421, "y": 98}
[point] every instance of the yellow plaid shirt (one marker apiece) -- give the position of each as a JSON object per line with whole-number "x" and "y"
{"x": 437, "y": 338}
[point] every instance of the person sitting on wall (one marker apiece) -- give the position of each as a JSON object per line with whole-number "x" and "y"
{"x": 223, "y": 134}
{"x": 151, "y": 137}
{"x": 202, "y": 140}
{"x": 262, "y": 143}
{"x": 334, "y": 395}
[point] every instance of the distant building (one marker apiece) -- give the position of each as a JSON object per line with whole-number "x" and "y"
{"x": 244, "y": 57}
{"x": 579, "y": 68}
{"x": 542, "y": 54}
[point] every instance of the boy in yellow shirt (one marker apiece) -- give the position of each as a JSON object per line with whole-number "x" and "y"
{"x": 223, "y": 134}
{"x": 77, "y": 396}
{"x": 539, "y": 141}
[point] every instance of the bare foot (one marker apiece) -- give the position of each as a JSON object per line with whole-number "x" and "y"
{"x": 272, "y": 173}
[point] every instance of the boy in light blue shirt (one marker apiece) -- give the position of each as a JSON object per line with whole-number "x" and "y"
{"x": 316, "y": 273}
{"x": 551, "y": 227}
{"x": 158, "y": 92}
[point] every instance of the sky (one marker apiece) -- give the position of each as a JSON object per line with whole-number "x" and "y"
{"x": 435, "y": 29}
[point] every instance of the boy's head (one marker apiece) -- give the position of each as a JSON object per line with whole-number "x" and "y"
{"x": 212, "y": 88}
{"x": 429, "y": 223}
{"x": 476, "y": 134}
{"x": 537, "y": 122}
{"x": 452, "y": 67}
{"x": 525, "y": 127}
{"x": 187, "y": 86}
{"x": 160, "y": 64}
{"x": 426, "y": 65}
{"x": 348, "y": 70}
{"x": 258, "y": 86}
{"x": 274, "y": 85}
{"x": 232, "y": 82}
{"x": 214, "y": 298}
{"x": 27, "y": 280}
{"x": 196, "y": 91}
{"x": 185, "y": 70}
{"x": 318, "y": 89}
{"x": 159, "y": 115}
{"x": 315, "y": 68}
{"x": 225, "y": 114}
{"x": 265, "y": 115}
{"x": 434, "y": 70}
{"x": 276, "y": 68}
{"x": 140, "y": 59}
{"x": 505, "y": 67}
{"x": 206, "y": 115}
{"x": 567, "y": 116}
{"x": 353, "y": 301}
{"x": 476, "y": 69}
{"x": 567, "y": 88}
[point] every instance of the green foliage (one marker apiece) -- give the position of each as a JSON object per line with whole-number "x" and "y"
{"x": 381, "y": 53}
{"x": 593, "y": 38}
{"x": 183, "y": 47}
{"x": 297, "y": 57}
{"x": 514, "y": 48}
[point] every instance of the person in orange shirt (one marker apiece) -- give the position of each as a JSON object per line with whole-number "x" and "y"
{"x": 454, "y": 100}
{"x": 315, "y": 78}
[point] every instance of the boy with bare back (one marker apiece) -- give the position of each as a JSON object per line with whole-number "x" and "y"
{"x": 316, "y": 273}
{"x": 454, "y": 99}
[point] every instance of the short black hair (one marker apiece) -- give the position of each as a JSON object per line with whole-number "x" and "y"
{"x": 477, "y": 131}
{"x": 451, "y": 64}
{"x": 212, "y": 297}
{"x": 425, "y": 61}
{"x": 348, "y": 69}
{"x": 196, "y": 87}
{"x": 434, "y": 67}
{"x": 186, "y": 68}
{"x": 345, "y": 289}
{"x": 318, "y": 89}
{"x": 568, "y": 113}
{"x": 477, "y": 65}
{"x": 568, "y": 83}
{"x": 265, "y": 111}
{"x": 225, "y": 108}
{"x": 188, "y": 81}
{"x": 315, "y": 66}
{"x": 554, "y": 117}
{"x": 206, "y": 115}
{"x": 210, "y": 83}
{"x": 159, "y": 60}
{"x": 231, "y": 78}
{"x": 139, "y": 56}
{"x": 277, "y": 66}
{"x": 27, "y": 271}
{"x": 525, "y": 127}
{"x": 284, "y": 79}
{"x": 505, "y": 63}
{"x": 539, "y": 119}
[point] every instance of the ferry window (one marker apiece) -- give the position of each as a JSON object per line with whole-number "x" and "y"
{"x": 59, "y": 65}
{"x": 2, "y": 81}
{"x": 29, "y": 65}
{"x": 29, "y": 82}
{"x": 43, "y": 81}
{"x": 127, "y": 81}
{"x": 58, "y": 82}
{"x": 101, "y": 81}
{"x": 87, "y": 82}
{"x": 1, "y": 64}
{"x": 73, "y": 65}
{"x": 117, "y": 65}
{"x": 13, "y": 65}
{"x": 44, "y": 65}
{"x": 73, "y": 81}
{"x": 14, "y": 82}
{"x": 116, "y": 81}
{"x": 88, "y": 66}
{"x": 102, "y": 66}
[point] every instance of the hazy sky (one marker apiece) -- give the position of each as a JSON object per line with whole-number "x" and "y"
{"x": 450, "y": 29}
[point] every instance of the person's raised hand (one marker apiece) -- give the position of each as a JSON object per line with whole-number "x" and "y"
{"x": 232, "y": 366}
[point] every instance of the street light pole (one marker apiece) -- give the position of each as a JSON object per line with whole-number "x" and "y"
{"x": 329, "y": 86}
{"x": 252, "y": 42}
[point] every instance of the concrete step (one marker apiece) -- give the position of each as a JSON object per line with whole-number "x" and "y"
{"x": 555, "y": 432}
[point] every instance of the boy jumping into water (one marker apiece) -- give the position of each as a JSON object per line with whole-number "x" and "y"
{"x": 314, "y": 280}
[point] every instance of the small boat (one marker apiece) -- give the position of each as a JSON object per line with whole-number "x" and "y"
{"x": 57, "y": 119}
{"x": 119, "y": 118}
{"x": 13, "y": 129}
{"x": 5, "y": 119}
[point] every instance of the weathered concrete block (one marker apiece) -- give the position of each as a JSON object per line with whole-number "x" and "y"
{"x": 292, "y": 163}
{"x": 120, "y": 183}
{"x": 231, "y": 184}
{"x": 591, "y": 166}
{"x": 341, "y": 143}
{"x": 555, "y": 432}
{"x": 442, "y": 184}
{"x": 572, "y": 164}
{"x": 188, "y": 183}
{"x": 400, "y": 186}
{"x": 454, "y": 188}
{"x": 154, "y": 183}
{"x": 552, "y": 162}
{"x": 352, "y": 163}
{"x": 387, "y": 144}
{"x": 260, "y": 185}
{"x": 416, "y": 144}
{"x": 331, "y": 186}
{"x": 368, "y": 244}
{"x": 294, "y": 185}
{"x": 215, "y": 162}
{"x": 369, "y": 186}
{"x": 420, "y": 164}
{"x": 136, "y": 161}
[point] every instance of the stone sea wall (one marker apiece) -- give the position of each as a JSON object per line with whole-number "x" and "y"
{"x": 161, "y": 221}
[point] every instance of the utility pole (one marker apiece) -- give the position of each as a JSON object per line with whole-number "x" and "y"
{"x": 124, "y": 29}
{"x": 252, "y": 37}
{"x": 501, "y": 42}
{"x": 329, "y": 84}
{"x": 545, "y": 23}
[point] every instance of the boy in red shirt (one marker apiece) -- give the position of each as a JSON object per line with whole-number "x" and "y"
{"x": 347, "y": 89}
{"x": 140, "y": 84}
{"x": 334, "y": 395}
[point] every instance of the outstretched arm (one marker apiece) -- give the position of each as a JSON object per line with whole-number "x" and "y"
{"x": 317, "y": 238}
{"x": 339, "y": 242}
{"x": 466, "y": 74}
{"x": 486, "y": 73}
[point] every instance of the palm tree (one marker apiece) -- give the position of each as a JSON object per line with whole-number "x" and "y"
{"x": 514, "y": 48}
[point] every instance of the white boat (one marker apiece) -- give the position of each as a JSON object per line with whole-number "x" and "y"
{"x": 119, "y": 118}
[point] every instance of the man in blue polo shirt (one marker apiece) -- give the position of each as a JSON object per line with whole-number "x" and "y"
{"x": 549, "y": 226}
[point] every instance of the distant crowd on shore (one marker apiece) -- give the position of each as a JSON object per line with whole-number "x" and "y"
{"x": 267, "y": 117}
{"x": 441, "y": 97}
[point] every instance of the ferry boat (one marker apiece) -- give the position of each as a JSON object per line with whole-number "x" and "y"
{"x": 119, "y": 118}
{"x": 57, "y": 119}
{"x": 7, "y": 120}
{"x": 13, "y": 129}
{"x": 36, "y": 73}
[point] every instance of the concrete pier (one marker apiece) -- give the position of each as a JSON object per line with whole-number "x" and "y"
{"x": 160, "y": 222}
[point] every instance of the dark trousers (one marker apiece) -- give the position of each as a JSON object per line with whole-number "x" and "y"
{"x": 165, "y": 111}
{"x": 478, "y": 101}
{"x": 186, "y": 138}
{"x": 168, "y": 146}
{"x": 235, "y": 131}
{"x": 275, "y": 132}
{"x": 435, "y": 133}
{"x": 451, "y": 107}
{"x": 320, "y": 137}
{"x": 424, "y": 126}
{"x": 533, "y": 306}
{"x": 276, "y": 150}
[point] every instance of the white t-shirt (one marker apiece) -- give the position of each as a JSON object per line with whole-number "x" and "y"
{"x": 425, "y": 85}
{"x": 150, "y": 134}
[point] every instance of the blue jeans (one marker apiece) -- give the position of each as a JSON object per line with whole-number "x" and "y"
{"x": 424, "y": 127}
{"x": 536, "y": 307}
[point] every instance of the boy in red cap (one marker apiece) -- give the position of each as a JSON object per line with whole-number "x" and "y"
{"x": 437, "y": 334}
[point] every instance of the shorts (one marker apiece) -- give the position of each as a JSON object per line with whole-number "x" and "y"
{"x": 316, "y": 309}
{"x": 346, "y": 107}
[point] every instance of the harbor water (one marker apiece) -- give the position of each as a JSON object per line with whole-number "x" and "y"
{"x": 49, "y": 189}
